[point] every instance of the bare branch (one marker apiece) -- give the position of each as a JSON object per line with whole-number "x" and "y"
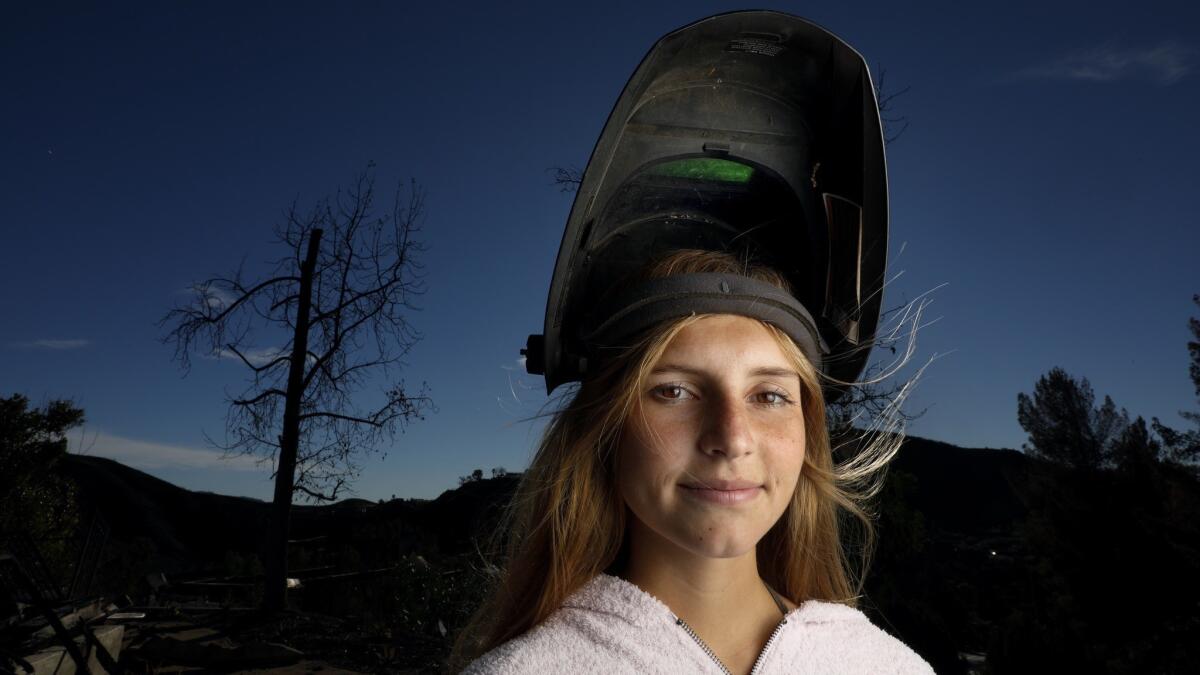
{"x": 256, "y": 399}
{"x": 313, "y": 494}
{"x": 347, "y": 418}
{"x": 568, "y": 179}
{"x": 257, "y": 369}
{"x": 885, "y": 100}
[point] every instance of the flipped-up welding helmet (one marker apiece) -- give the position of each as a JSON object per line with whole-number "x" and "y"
{"x": 755, "y": 133}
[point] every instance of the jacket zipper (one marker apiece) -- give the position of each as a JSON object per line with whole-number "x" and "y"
{"x": 711, "y": 655}
{"x": 767, "y": 647}
{"x": 757, "y": 662}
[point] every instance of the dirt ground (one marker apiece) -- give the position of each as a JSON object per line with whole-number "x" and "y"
{"x": 247, "y": 641}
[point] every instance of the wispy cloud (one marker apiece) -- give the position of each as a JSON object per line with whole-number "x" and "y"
{"x": 1166, "y": 63}
{"x": 57, "y": 345}
{"x": 212, "y": 295}
{"x": 258, "y": 357}
{"x": 151, "y": 455}
{"x": 215, "y": 296}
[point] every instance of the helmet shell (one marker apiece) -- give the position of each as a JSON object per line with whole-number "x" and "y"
{"x": 751, "y": 132}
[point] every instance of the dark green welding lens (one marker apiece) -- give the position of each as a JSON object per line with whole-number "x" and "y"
{"x": 705, "y": 168}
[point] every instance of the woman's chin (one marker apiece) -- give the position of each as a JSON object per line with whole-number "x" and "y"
{"x": 710, "y": 545}
{"x": 701, "y": 535}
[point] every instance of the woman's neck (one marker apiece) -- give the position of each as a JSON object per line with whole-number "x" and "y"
{"x": 723, "y": 599}
{"x": 714, "y": 586}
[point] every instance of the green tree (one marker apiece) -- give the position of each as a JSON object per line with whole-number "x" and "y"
{"x": 1184, "y": 446}
{"x": 1064, "y": 424}
{"x": 34, "y": 500}
{"x": 1135, "y": 449}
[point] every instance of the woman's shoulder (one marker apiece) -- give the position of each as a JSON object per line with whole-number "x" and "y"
{"x": 833, "y": 637}
{"x": 538, "y": 650}
{"x": 606, "y": 626}
{"x": 571, "y": 641}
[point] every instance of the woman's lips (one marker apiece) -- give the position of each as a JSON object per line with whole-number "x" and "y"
{"x": 722, "y": 496}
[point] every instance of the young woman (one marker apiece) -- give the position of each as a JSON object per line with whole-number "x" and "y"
{"x": 682, "y": 515}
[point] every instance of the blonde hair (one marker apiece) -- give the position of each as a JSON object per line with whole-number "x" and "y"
{"x": 566, "y": 523}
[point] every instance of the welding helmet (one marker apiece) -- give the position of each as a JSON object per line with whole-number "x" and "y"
{"x": 756, "y": 133}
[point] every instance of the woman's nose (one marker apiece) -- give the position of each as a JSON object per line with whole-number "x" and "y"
{"x": 727, "y": 428}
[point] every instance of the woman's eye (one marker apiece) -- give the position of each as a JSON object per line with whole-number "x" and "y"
{"x": 675, "y": 392}
{"x": 671, "y": 392}
{"x": 778, "y": 398}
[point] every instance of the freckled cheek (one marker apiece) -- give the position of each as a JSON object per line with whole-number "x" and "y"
{"x": 647, "y": 474}
{"x": 787, "y": 445}
{"x": 669, "y": 431}
{"x": 663, "y": 442}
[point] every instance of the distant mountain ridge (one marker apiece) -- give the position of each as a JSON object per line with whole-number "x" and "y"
{"x": 979, "y": 550}
{"x": 957, "y": 489}
{"x": 186, "y": 526}
{"x": 950, "y": 478}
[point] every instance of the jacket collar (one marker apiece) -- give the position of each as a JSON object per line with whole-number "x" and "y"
{"x": 608, "y": 594}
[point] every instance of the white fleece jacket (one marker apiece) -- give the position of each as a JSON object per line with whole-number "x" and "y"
{"x": 613, "y": 626}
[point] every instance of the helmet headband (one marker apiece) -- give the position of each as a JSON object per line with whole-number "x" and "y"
{"x": 649, "y": 303}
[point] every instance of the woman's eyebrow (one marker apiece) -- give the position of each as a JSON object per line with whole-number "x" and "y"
{"x": 774, "y": 371}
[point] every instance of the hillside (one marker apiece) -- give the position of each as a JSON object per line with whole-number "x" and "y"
{"x": 962, "y": 490}
{"x": 980, "y": 550}
{"x": 194, "y": 530}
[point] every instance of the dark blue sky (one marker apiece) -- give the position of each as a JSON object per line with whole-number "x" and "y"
{"x": 1048, "y": 179}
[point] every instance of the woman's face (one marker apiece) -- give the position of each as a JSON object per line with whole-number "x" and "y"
{"x": 717, "y": 460}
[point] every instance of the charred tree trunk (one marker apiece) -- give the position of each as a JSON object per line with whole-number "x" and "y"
{"x": 338, "y": 292}
{"x": 275, "y": 592}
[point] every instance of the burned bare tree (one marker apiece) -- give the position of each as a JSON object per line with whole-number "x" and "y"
{"x": 335, "y": 303}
